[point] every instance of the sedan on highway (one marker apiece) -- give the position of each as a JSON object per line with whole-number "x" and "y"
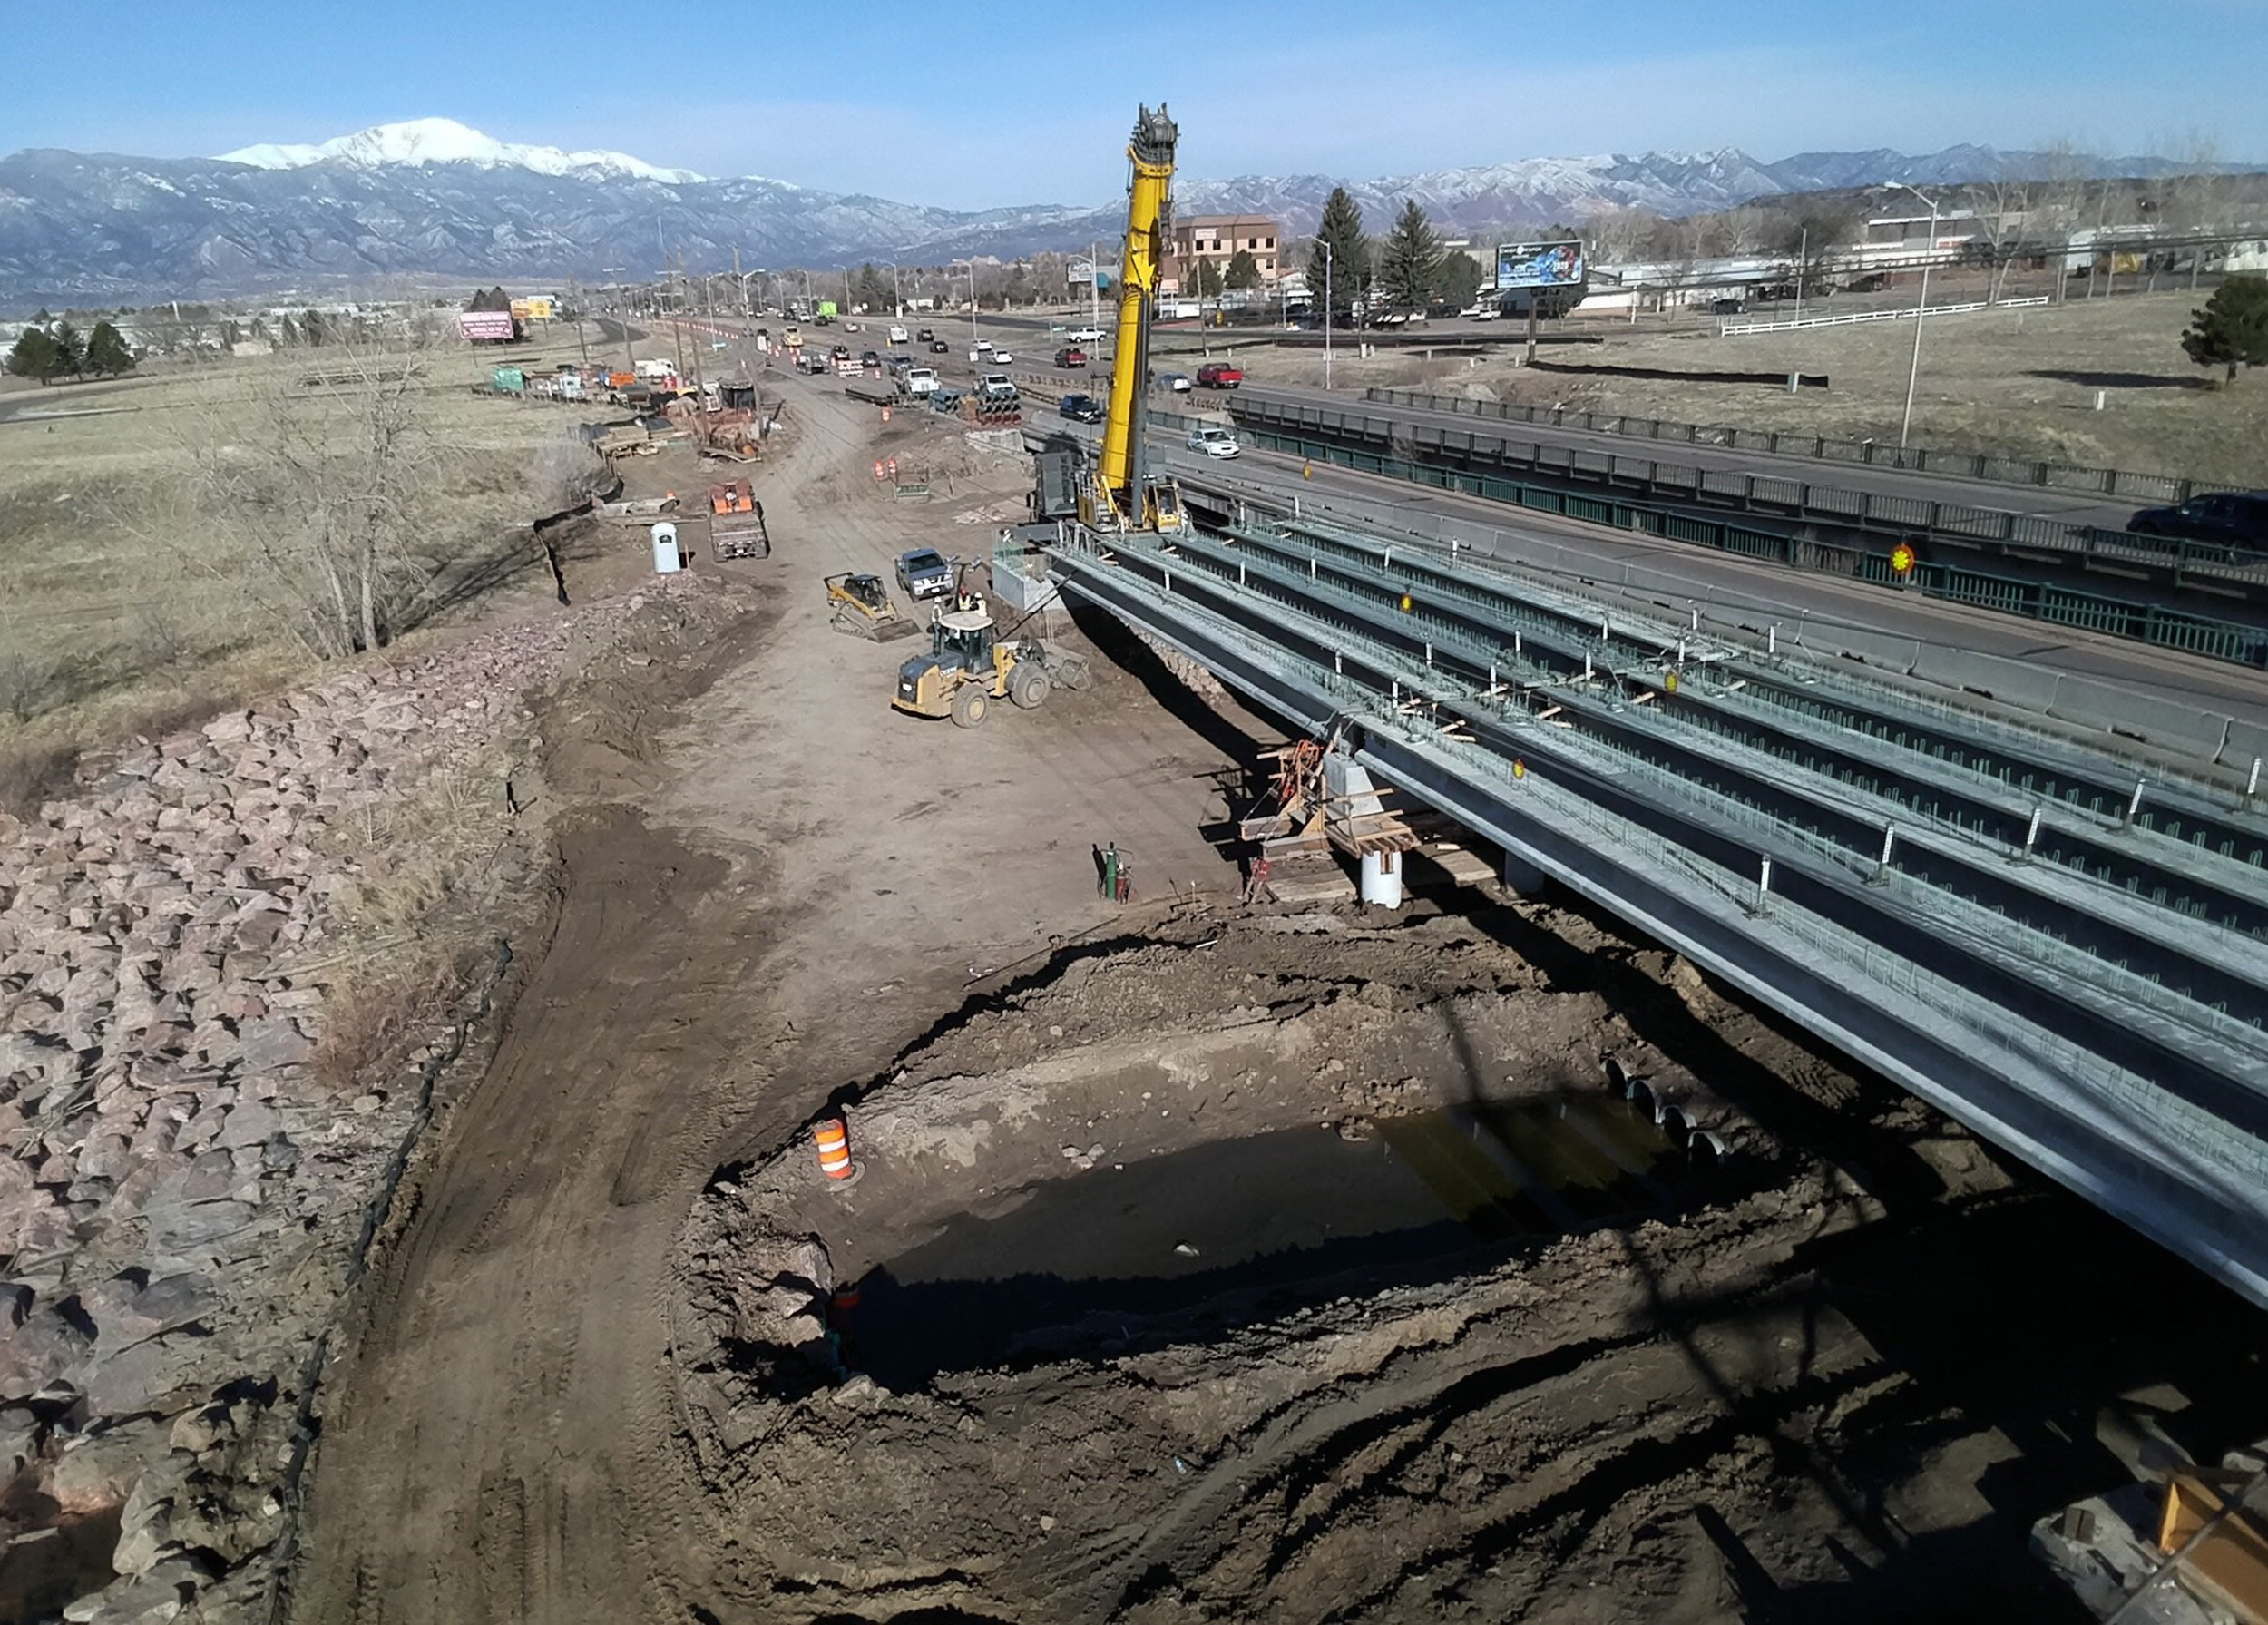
{"x": 1214, "y": 441}
{"x": 1081, "y": 408}
{"x": 1001, "y": 357}
{"x": 1178, "y": 382}
{"x": 2237, "y": 520}
{"x": 938, "y": 346}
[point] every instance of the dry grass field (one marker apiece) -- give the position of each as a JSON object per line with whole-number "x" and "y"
{"x": 2020, "y": 383}
{"x": 125, "y": 610}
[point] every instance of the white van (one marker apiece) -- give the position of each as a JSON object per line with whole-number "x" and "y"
{"x": 898, "y": 336}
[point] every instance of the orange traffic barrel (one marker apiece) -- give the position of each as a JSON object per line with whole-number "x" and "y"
{"x": 832, "y": 1139}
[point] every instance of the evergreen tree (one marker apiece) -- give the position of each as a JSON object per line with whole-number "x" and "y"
{"x": 1410, "y": 260}
{"x": 1458, "y": 278}
{"x": 1205, "y": 278}
{"x": 70, "y": 351}
{"x": 34, "y": 357}
{"x": 106, "y": 352}
{"x": 311, "y": 327}
{"x": 1244, "y": 270}
{"x": 2232, "y": 330}
{"x": 1348, "y": 262}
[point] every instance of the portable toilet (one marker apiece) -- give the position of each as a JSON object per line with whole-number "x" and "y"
{"x": 667, "y": 560}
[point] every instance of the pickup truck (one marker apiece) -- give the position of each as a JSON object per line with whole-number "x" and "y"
{"x": 1086, "y": 335}
{"x": 1219, "y": 374}
{"x": 1071, "y": 356}
{"x": 995, "y": 385}
{"x": 924, "y": 573}
{"x": 897, "y": 335}
{"x": 918, "y": 380}
{"x": 1080, "y": 408}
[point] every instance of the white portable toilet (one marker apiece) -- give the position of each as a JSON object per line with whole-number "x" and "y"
{"x": 1381, "y": 882}
{"x": 667, "y": 560}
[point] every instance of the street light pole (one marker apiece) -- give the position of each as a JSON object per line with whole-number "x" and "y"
{"x": 1325, "y": 246}
{"x": 1921, "y": 312}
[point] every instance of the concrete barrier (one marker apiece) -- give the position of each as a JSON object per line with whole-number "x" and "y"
{"x": 2245, "y": 743}
{"x": 2011, "y": 682}
{"x": 2184, "y": 728}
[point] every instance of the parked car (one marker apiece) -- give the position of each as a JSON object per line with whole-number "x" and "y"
{"x": 1214, "y": 440}
{"x": 2237, "y": 520}
{"x": 924, "y": 573}
{"x": 1081, "y": 408}
{"x": 1178, "y": 382}
{"x": 1071, "y": 356}
{"x": 938, "y": 346}
{"x": 1219, "y": 374}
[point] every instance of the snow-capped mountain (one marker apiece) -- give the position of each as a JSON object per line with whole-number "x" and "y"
{"x": 445, "y": 140}
{"x": 434, "y": 197}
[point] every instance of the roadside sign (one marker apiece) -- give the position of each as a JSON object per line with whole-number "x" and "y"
{"x": 1902, "y": 559}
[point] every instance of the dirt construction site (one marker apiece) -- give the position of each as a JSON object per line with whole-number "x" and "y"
{"x": 1204, "y": 1260}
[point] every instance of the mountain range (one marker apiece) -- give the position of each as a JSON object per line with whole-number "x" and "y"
{"x": 435, "y": 198}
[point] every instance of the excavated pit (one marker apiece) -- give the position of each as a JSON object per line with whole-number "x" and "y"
{"x": 1178, "y": 1140}
{"x": 1217, "y": 1235}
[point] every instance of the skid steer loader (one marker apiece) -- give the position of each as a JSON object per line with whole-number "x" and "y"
{"x": 862, "y": 608}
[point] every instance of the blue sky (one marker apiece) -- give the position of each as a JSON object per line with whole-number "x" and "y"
{"x": 985, "y": 104}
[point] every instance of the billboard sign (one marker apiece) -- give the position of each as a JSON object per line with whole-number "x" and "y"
{"x": 534, "y": 308}
{"x": 1540, "y": 265}
{"x": 478, "y": 325}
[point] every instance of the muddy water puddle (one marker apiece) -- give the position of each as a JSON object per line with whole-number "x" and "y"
{"x": 1227, "y": 1233}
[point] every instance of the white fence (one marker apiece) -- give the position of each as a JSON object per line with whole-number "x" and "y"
{"x": 1728, "y": 329}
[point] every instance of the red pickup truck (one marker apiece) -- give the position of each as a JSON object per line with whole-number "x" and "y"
{"x": 1071, "y": 356}
{"x": 1219, "y": 374}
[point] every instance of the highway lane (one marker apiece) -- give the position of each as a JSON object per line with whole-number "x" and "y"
{"x": 1763, "y": 595}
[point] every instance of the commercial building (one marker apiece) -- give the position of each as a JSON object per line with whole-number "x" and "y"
{"x": 1216, "y": 239}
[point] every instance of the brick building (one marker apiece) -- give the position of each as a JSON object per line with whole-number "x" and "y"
{"x": 1218, "y": 238}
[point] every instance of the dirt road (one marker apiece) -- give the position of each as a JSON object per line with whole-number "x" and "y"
{"x": 816, "y": 879}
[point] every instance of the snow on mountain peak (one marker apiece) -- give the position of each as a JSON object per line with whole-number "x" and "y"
{"x": 445, "y": 140}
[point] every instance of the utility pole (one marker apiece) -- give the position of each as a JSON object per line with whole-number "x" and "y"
{"x": 1325, "y": 245}
{"x": 1802, "y": 263}
{"x": 1921, "y": 313}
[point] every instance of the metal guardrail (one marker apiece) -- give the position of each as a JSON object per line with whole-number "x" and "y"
{"x": 1846, "y": 318}
{"x": 2168, "y": 629}
{"x": 1967, "y": 466}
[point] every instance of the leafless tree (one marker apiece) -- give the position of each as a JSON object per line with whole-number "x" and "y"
{"x": 314, "y": 477}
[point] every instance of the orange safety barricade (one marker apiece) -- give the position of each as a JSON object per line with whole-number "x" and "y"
{"x": 833, "y": 1139}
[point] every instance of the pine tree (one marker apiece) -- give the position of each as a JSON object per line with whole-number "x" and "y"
{"x": 106, "y": 352}
{"x": 1244, "y": 270}
{"x": 2232, "y": 330}
{"x": 70, "y": 351}
{"x": 1205, "y": 278}
{"x": 1457, "y": 280}
{"x": 1410, "y": 259}
{"x": 311, "y": 327}
{"x": 34, "y": 357}
{"x": 1347, "y": 268}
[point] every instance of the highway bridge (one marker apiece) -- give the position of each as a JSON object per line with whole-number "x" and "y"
{"x": 2043, "y": 908}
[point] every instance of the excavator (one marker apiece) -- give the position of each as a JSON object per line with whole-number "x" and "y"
{"x": 1118, "y": 495}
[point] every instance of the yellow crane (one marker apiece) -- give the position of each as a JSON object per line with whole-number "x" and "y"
{"x": 1120, "y": 497}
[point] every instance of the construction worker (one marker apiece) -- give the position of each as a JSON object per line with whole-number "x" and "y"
{"x": 1256, "y": 887}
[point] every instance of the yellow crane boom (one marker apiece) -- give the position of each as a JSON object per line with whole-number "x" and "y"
{"x": 1118, "y": 496}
